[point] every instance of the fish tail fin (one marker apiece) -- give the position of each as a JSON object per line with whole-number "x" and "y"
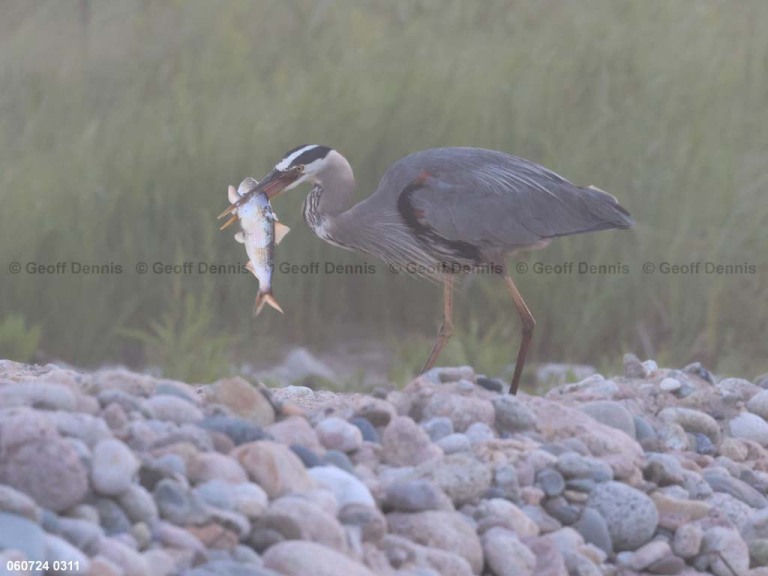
{"x": 265, "y": 298}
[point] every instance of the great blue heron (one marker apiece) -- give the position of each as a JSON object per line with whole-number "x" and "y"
{"x": 445, "y": 210}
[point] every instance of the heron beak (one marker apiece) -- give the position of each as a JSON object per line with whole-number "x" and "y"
{"x": 229, "y": 222}
{"x": 271, "y": 185}
{"x": 277, "y": 181}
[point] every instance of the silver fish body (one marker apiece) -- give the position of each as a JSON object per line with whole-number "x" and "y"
{"x": 260, "y": 231}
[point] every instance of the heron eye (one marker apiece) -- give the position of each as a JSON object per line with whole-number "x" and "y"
{"x": 300, "y": 168}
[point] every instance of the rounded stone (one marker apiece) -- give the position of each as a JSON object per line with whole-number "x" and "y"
{"x": 437, "y": 428}
{"x": 448, "y": 531}
{"x": 307, "y": 456}
{"x": 405, "y": 443}
{"x": 338, "y": 459}
{"x": 749, "y": 427}
{"x": 631, "y": 515}
{"x": 17, "y": 533}
{"x": 758, "y": 404}
{"x": 50, "y": 471}
{"x": 479, "y": 432}
{"x": 551, "y": 481}
{"x": 454, "y": 443}
{"x": 338, "y": 434}
{"x": 692, "y": 421}
{"x": 414, "y": 496}
{"x": 670, "y": 384}
{"x": 727, "y": 552}
{"x": 345, "y": 487}
{"x": 506, "y": 555}
{"x": 461, "y": 476}
{"x": 138, "y": 504}
{"x": 370, "y": 434}
{"x": 512, "y": 416}
{"x": 173, "y": 409}
{"x": 300, "y": 558}
{"x": 273, "y": 466}
{"x": 611, "y": 414}
{"x": 462, "y": 410}
{"x": 492, "y": 384}
{"x": 113, "y": 467}
{"x": 593, "y": 527}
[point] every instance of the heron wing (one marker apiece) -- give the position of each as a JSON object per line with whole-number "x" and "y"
{"x": 493, "y": 200}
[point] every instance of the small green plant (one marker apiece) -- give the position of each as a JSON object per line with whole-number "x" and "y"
{"x": 184, "y": 342}
{"x": 18, "y": 341}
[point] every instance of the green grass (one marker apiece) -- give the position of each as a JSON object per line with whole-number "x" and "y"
{"x": 120, "y": 131}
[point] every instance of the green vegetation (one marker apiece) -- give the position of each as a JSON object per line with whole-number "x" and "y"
{"x": 184, "y": 341}
{"x": 18, "y": 341}
{"x": 121, "y": 126}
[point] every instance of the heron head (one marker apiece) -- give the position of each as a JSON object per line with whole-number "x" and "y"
{"x": 302, "y": 164}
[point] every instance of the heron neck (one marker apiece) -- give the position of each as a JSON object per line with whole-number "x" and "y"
{"x": 336, "y": 190}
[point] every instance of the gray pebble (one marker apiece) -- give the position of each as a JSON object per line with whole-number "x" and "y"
{"x": 551, "y": 481}
{"x": 663, "y": 469}
{"x": 138, "y": 504}
{"x": 465, "y": 386}
{"x": 178, "y": 504}
{"x": 631, "y": 515}
{"x": 687, "y": 540}
{"x": 479, "y": 432}
{"x": 454, "y": 443}
{"x": 559, "y": 508}
{"x": 113, "y": 467}
{"x": 111, "y": 516}
{"x": 670, "y": 384}
{"x": 414, "y": 496}
{"x": 505, "y": 478}
{"x": 703, "y": 444}
{"x": 239, "y": 430}
{"x": 438, "y": 427}
{"x": 492, "y": 384}
{"x": 612, "y": 414}
{"x": 592, "y": 526}
{"x": 643, "y": 430}
{"x": 370, "y": 434}
{"x": 721, "y": 481}
{"x": 307, "y": 456}
{"x": 512, "y": 416}
{"x": 544, "y": 521}
{"x": 18, "y": 533}
{"x": 749, "y": 427}
{"x": 338, "y": 459}
{"x": 217, "y": 493}
{"x": 580, "y": 484}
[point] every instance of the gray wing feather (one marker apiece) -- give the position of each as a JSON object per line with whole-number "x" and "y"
{"x": 495, "y": 200}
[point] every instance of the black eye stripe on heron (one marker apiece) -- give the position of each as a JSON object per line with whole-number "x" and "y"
{"x": 302, "y": 155}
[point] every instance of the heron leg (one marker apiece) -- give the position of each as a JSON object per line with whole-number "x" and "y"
{"x": 529, "y": 322}
{"x": 446, "y": 328}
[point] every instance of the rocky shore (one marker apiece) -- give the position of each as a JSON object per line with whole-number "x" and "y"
{"x": 115, "y": 473}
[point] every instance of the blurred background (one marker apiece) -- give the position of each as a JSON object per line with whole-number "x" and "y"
{"x": 123, "y": 122}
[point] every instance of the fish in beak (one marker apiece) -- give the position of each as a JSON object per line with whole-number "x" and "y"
{"x": 260, "y": 232}
{"x": 272, "y": 184}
